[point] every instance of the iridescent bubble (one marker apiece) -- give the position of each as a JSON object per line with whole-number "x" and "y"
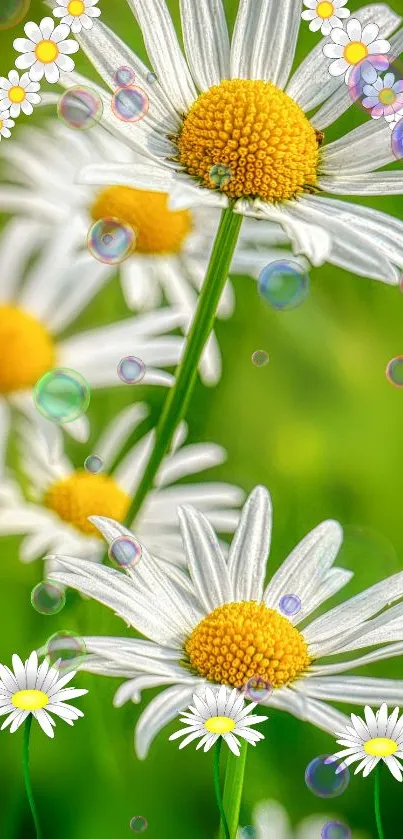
{"x": 248, "y": 832}
{"x": 125, "y": 551}
{"x": 394, "y": 371}
{"x": 397, "y": 140}
{"x": 138, "y": 824}
{"x": 61, "y": 395}
{"x": 124, "y": 77}
{"x": 66, "y": 649}
{"x": 283, "y": 284}
{"x": 94, "y": 464}
{"x": 13, "y": 12}
{"x": 326, "y": 777}
{"x": 48, "y": 598}
{"x": 257, "y": 689}
{"x": 131, "y": 370}
{"x": 111, "y": 241}
{"x": 130, "y": 104}
{"x": 220, "y": 175}
{"x": 289, "y": 604}
{"x": 364, "y": 73}
{"x": 80, "y": 108}
{"x": 260, "y": 358}
{"x": 336, "y": 830}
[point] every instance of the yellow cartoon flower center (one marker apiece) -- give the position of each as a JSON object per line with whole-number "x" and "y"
{"x": 258, "y": 133}
{"x": 355, "y": 51}
{"x": 380, "y": 747}
{"x": 81, "y": 495}
{"x": 46, "y": 51}
{"x": 30, "y": 700}
{"x": 76, "y": 8}
{"x": 219, "y": 725}
{"x": 1, "y": 124}
{"x": 325, "y": 10}
{"x": 239, "y": 641}
{"x": 16, "y": 94}
{"x": 158, "y": 229}
{"x": 387, "y": 96}
{"x": 26, "y": 349}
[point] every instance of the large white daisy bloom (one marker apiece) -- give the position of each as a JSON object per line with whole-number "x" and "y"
{"x": 18, "y": 93}
{"x": 77, "y": 14}
{"x": 324, "y": 15}
{"x": 238, "y": 106}
{"x": 220, "y": 602}
{"x": 378, "y": 737}
{"x": 40, "y": 296}
{"x": 271, "y": 821}
{"x": 40, "y": 691}
{"x": 45, "y": 50}
{"x": 66, "y": 497}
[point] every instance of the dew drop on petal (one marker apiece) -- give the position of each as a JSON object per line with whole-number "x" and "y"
{"x": 327, "y": 777}
{"x": 67, "y": 649}
{"x": 61, "y": 395}
{"x": 138, "y": 824}
{"x": 394, "y": 371}
{"x": 257, "y": 689}
{"x": 336, "y": 830}
{"x": 93, "y": 464}
{"x": 12, "y": 12}
{"x": 152, "y": 78}
{"x": 131, "y": 370}
{"x": 124, "y": 77}
{"x": 125, "y": 551}
{"x": 289, "y": 604}
{"x": 48, "y": 598}
{"x": 130, "y": 104}
{"x": 80, "y": 108}
{"x": 220, "y": 175}
{"x": 111, "y": 241}
{"x": 283, "y": 284}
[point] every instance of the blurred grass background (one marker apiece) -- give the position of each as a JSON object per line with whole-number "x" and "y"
{"x": 321, "y": 426}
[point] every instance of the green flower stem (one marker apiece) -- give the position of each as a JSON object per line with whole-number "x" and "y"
{"x": 217, "y": 787}
{"x": 377, "y": 794}
{"x": 233, "y": 791}
{"x": 27, "y": 779}
{"x": 186, "y": 375}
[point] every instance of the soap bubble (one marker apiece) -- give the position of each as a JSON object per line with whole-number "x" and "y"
{"x": 289, "y": 604}
{"x": 12, "y": 12}
{"x": 397, "y": 140}
{"x": 260, "y": 358}
{"x": 257, "y": 689}
{"x": 248, "y": 832}
{"x": 220, "y": 175}
{"x": 125, "y": 551}
{"x": 130, "y": 104}
{"x": 336, "y": 830}
{"x": 364, "y": 73}
{"x": 65, "y": 648}
{"x": 131, "y": 370}
{"x": 124, "y": 77}
{"x": 394, "y": 371}
{"x": 326, "y": 777}
{"x": 152, "y": 78}
{"x": 48, "y": 598}
{"x": 283, "y": 284}
{"x": 61, "y": 395}
{"x": 80, "y": 107}
{"x": 94, "y": 464}
{"x": 111, "y": 241}
{"x": 138, "y": 824}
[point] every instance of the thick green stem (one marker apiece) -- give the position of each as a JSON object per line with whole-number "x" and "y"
{"x": 217, "y": 787}
{"x": 233, "y": 791}
{"x": 27, "y": 778}
{"x": 186, "y": 375}
{"x": 377, "y": 794}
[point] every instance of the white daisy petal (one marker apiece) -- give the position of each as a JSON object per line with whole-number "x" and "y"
{"x": 206, "y": 562}
{"x": 206, "y": 41}
{"x": 251, "y": 539}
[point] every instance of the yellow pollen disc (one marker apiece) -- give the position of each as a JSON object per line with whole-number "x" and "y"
{"x": 158, "y": 229}
{"x": 355, "y": 52}
{"x": 219, "y": 725}
{"x": 46, "y": 51}
{"x": 76, "y": 8}
{"x": 380, "y": 747}
{"x": 241, "y": 640}
{"x": 325, "y": 10}
{"x": 82, "y": 495}
{"x": 30, "y": 700}
{"x": 387, "y": 96}
{"x": 16, "y": 94}
{"x": 257, "y": 132}
{"x": 26, "y": 349}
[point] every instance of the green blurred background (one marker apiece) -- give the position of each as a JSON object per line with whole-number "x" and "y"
{"x": 321, "y": 426}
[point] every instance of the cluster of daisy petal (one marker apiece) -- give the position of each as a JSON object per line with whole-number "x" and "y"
{"x": 44, "y": 52}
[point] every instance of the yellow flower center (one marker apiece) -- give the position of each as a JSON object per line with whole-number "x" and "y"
{"x": 16, "y": 94}
{"x": 219, "y": 725}
{"x": 257, "y": 132}
{"x": 355, "y": 51}
{"x": 239, "y": 641}
{"x": 83, "y": 494}
{"x": 30, "y": 700}
{"x": 325, "y": 10}
{"x": 26, "y": 349}
{"x": 46, "y": 51}
{"x": 380, "y": 747}
{"x": 76, "y": 8}
{"x": 1, "y": 124}
{"x": 387, "y": 96}
{"x": 158, "y": 229}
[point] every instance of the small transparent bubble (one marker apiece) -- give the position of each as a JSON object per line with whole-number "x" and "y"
{"x": 397, "y": 140}
{"x": 66, "y": 648}
{"x": 248, "y": 832}
{"x": 111, "y": 241}
{"x": 283, "y": 284}
{"x": 260, "y": 358}
{"x": 61, "y": 395}
{"x": 80, "y": 108}
{"x": 138, "y": 824}
{"x": 48, "y": 598}
{"x": 94, "y": 464}
{"x": 13, "y": 12}
{"x": 327, "y": 777}
{"x": 257, "y": 689}
{"x": 289, "y": 604}
{"x": 130, "y": 104}
{"x": 152, "y": 78}
{"x": 336, "y": 830}
{"x": 125, "y": 551}
{"x": 124, "y": 77}
{"x": 220, "y": 175}
{"x": 394, "y": 371}
{"x": 131, "y": 370}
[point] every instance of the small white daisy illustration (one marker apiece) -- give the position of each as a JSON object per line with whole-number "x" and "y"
{"x": 379, "y": 737}
{"x": 45, "y": 50}
{"x": 5, "y": 124}
{"x": 18, "y": 93}
{"x": 354, "y": 46}
{"x": 220, "y": 713}
{"x": 29, "y": 689}
{"x": 325, "y": 16}
{"x": 77, "y": 14}
{"x": 384, "y": 98}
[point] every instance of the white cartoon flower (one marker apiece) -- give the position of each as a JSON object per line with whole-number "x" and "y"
{"x": 77, "y": 14}
{"x": 45, "y": 50}
{"x": 384, "y": 98}
{"x": 18, "y": 93}
{"x": 5, "y": 124}
{"x": 325, "y": 16}
{"x": 379, "y": 737}
{"x": 354, "y": 46}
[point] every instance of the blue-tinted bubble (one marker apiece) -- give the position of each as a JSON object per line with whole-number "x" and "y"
{"x": 48, "y": 598}
{"x": 138, "y": 824}
{"x": 111, "y": 241}
{"x": 336, "y": 830}
{"x": 13, "y": 12}
{"x": 124, "y": 77}
{"x": 327, "y": 777}
{"x": 394, "y": 371}
{"x": 248, "y": 832}
{"x": 94, "y": 464}
{"x": 397, "y": 140}
{"x": 66, "y": 649}
{"x": 62, "y": 395}
{"x": 125, "y": 551}
{"x": 289, "y": 604}
{"x": 257, "y": 689}
{"x": 220, "y": 175}
{"x": 283, "y": 285}
{"x": 80, "y": 108}
{"x": 130, "y": 104}
{"x": 131, "y": 370}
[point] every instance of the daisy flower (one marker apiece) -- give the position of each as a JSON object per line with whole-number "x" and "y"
{"x": 378, "y": 737}
{"x": 40, "y": 296}
{"x": 45, "y": 50}
{"x": 384, "y": 97}
{"x": 221, "y": 602}
{"x": 238, "y": 105}
{"x": 66, "y": 498}
{"x": 219, "y": 713}
{"x": 18, "y": 93}
{"x": 29, "y": 689}
{"x": 77, "y": 14}
{"x": 325, "y": 16}
{"x": 354, "y": 46}
{"x": 5, "y": 124}
{"x": 271, "y": 821}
